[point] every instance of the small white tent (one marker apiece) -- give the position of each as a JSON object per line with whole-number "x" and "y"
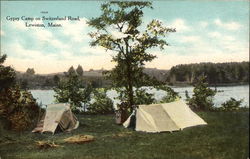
{"x": 164, "y": 117}
{"x": 57, "y": 117}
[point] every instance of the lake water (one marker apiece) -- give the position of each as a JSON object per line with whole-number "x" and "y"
{"x": 238, "y": 92}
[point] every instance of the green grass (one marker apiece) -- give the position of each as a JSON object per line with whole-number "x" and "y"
{"x": 225, "y": 137}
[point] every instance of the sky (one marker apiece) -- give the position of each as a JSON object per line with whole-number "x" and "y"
{"x": 206, "y": 31}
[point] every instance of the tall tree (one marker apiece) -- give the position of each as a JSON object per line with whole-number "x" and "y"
{"x": 30, "y": 71}
{"x": 71, "y": 70}
{"x": 79, "y": 70}
{"x": 7, "y": 74}
{"x": 118, "y": 29}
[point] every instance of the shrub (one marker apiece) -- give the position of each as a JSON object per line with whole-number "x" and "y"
{"x": 102, "y": 103}
{"x": 18, "y": 108}
{"x": 231, "y": 105}
{"x": 202, "y": 98}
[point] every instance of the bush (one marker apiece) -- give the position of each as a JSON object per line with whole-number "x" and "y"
{"x": 202, "y": 98}
{"x": 231, "y": 105}
{"x": 102, "y": 103}
{"x": 18, "y": 108}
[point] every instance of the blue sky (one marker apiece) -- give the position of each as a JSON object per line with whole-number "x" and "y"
{"x": 207, "y": 31}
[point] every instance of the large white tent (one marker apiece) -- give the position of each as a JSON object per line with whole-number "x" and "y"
{"x": 164, "y": 117}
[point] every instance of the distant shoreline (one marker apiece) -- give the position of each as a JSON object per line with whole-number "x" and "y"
{"x": 211, "y": 85}
{"x": 174, "y": 85}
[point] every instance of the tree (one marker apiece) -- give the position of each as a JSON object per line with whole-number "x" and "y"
{"x": 79, "y": 70}
{"x": 102, "y": 103}
{"x": 18, "y": 108}
{"x": 56, "y": 79}
{"x": 117, "y": 29}
{"x": 87, "y": 95}
{"x": 7, "y": 74}
{"x": 30, "y": 71}
{"x": 71, "y": 70}
{"x": 202, "y": 98}
{"x": 70, "y": 90}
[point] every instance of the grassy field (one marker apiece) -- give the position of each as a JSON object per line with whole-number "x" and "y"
{"x": 225, "y": 137}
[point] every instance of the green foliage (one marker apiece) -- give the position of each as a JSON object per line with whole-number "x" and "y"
{"x": 56, "y": 79}
{"x": 87, "y": 95}
{"x": 7, "y": 74}
{"x": 30, "y": 71}
{"x": 70, "y": 90}
{"x": 231, "y": 105}
{"x": 217, "y": 73}
{"x": 142, "y": 97}
{"x": 79, "y": 70}
{"x": 171, "y": 95}
{"x": 203, "y": 96}
{"x": 18, "y": 108}
{"x": 129, "y": 42}
{"x": 102, "y": 103}
{"x": 71, "y": 70}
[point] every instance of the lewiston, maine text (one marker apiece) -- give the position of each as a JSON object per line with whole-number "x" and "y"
{"x": 43, "y": 21}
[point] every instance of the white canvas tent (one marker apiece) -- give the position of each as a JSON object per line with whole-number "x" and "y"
{"x": 164, "y": 117}
{"x": 57, "y": 117}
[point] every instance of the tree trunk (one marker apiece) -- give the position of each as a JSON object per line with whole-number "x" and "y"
{"x": 129, "y": 78}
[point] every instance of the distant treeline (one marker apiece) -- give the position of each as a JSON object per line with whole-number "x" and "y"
{"x": 185, "y": 74}
{"x": 217, "y": 73}
{"x": 36, "y": 81}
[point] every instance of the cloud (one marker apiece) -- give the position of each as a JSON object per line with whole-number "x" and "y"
{"x": 19, "y": 25}
{"x": 49, "y": 63}
{"x": 76, "y": 30}
{"x": 2, "y": 33}
{"x": 229, "y": 26}
{"x": 118, "y": 35}
{"x": 180, "y": 25}
{"x": 42, "y": 34}
{"x": 189, "y": 39}
{"x": 214, "y": 34}
{"x": 167, "y": 60}
{"x": 203, "y": 24}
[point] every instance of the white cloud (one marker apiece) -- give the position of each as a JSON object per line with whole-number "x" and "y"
{"x": 75, "y": 30}
{"x": 214, "y": 34}
{"x": 229, "y": 26}
{"x": 2, "y": 33}
{"x": 43, "y": 34}
{"x": 167, "y": 60}
{"x": 118, "y": 35}
{"x": 203, "y": 24}
{"x": 49, "y": 63}
{"x": 19, "y": 25}
{"x": 58, "y": 44}
{"x": 180, "y": 25}
{"x": 221, "y": 37}
{"x": 189, "y": 39}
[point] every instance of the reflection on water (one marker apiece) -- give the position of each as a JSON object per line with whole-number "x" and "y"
{"x": 238, "y": 92}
